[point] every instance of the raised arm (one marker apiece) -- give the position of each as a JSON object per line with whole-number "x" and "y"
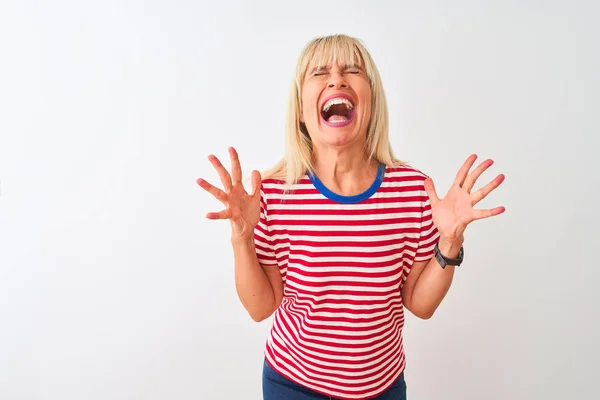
{"x": 260, "y": 289}
{"x": 428, "y": 283}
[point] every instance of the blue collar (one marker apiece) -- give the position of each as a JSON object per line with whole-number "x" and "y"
{"x": 349, "y": 199}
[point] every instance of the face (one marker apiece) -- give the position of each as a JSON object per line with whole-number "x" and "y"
{"x": 336, "y": 105}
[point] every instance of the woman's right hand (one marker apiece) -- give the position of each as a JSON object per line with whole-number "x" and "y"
{"x": 242, "y": 209}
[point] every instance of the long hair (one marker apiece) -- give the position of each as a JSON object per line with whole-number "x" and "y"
{"x": 327, "y": 50}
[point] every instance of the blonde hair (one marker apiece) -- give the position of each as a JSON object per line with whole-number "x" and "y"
{"x": 326, "y": 50}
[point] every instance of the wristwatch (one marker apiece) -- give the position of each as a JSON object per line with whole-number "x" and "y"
{"x": 448, "y": 261}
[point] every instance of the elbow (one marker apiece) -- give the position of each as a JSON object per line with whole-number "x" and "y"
{"x": 259, "y": 317}
{"x": 425, "y": 315}
{"x": 421, "y": 312}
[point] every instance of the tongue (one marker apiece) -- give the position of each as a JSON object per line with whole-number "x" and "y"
{"x": 337, "y": 118}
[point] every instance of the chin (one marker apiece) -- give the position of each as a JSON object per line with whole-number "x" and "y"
{"x": 338, "y": 136}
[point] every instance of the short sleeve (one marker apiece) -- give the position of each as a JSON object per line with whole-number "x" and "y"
{"x": 428, "y": 233}
{"x": 263, "y": 243}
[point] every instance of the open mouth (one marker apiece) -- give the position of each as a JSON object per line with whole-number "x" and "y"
{"x": 338, "y": 111}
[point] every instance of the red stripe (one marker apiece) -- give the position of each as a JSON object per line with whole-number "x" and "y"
{"x": 325, "y": 201}
{"x": 374, "y": 211}
{"x": 398, "y": 241}
{"x": 372, "y": 233}
{"x": 383, "y": 264}
{"x": 370, "y": 254}
{"x": 332, "y": 222}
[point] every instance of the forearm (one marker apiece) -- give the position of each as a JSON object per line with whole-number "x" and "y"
{"x": 434, "y": 282}
{"x": 252, "y": 285}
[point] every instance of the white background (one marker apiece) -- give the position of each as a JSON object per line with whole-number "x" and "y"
{"x": 113, "y": 285}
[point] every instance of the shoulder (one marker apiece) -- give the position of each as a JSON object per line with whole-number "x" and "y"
{"x": 408, "y": 182}
{"x": 277, "y": 189}
{"x": 272, "y": 182}
{"x": 279, "y": 185}
{"x": 405, "y": 173}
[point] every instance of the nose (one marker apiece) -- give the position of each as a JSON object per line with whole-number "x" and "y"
{"x": 336, "y": 80}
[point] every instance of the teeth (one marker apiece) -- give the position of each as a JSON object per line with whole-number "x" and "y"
{"x": 337, "y": 100}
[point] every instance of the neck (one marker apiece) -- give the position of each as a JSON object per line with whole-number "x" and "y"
{"x": 347, "y": 173}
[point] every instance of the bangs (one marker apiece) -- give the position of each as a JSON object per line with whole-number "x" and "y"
{"x": 332, "y": 50}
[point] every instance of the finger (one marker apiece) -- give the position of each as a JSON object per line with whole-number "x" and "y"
{"x": 473, "y": 176}
{"x": 464, "y": 170}
{"x": 430, "y": 190}
{"x": 256, "y": 183}
{"x": 236, "y": 168}
{"x": 223, "y": 174}
{"x": 225, "y": 214}
{"x": 487, "y": 189}
{"x": 215, "y": 191}
{"x": 481, "y": 214}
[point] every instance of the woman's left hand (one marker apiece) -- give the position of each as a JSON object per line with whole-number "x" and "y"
{"x": 455, "y": 211}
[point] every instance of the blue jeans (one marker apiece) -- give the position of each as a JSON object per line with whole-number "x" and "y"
{"x": 278, "y": 387}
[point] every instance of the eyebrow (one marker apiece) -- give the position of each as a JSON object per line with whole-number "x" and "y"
{"x": 318, "y": 68}
{"x": 352, "y": 66}
{"x": 346, "y": 67}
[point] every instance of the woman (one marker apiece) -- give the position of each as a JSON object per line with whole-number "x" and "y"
{"x": 340, "y": 236}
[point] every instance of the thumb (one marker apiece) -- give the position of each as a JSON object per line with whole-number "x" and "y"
{"x": 430, "y": 190}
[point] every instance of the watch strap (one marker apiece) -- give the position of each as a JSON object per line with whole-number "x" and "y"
{"x": 443, "y": 260}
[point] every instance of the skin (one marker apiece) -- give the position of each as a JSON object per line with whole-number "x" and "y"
{"x": 343, "y": 167}
{"x": 259, "y": 288}
{"x": 339, "y": 158}
{"x": 427, "y": 283}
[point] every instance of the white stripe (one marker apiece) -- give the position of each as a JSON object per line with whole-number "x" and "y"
{"x": 282, "y": 218}
{"x": 316, "y": 290}
{"x": 314, "y": 298}
{"x": 349, "y": 270}
{"x": 342, "y": 206}
{"x": 327, "y": 239}
{"x": 277, "y": 197}
{"x": 347, "y": 228}
{"x": 311, "y": 316}
{"x": 352, "y": 259}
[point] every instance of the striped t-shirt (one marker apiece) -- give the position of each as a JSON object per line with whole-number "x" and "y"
{"x": 343, "y": 260}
